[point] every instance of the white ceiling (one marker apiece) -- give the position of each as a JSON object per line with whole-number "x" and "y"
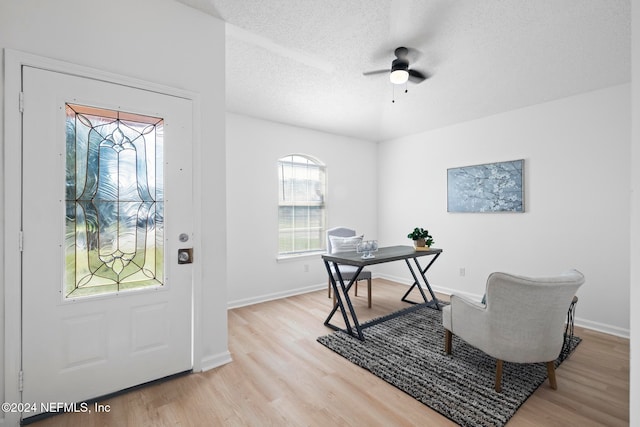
{"x": 301, "y": 61}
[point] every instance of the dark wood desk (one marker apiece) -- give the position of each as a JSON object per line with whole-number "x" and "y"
{"x": 387, "y": 254}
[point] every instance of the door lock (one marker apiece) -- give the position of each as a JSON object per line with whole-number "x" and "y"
{"x": 185, "y": 256}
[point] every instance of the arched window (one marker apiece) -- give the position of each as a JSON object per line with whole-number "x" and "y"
{"x": 301, "y": 207}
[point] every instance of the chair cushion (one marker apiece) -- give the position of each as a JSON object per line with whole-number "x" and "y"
{"x": 344, "y": 244}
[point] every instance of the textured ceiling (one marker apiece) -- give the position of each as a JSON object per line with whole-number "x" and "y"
{"x": 301, "y": 61}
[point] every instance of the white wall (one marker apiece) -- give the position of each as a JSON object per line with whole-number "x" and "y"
{"x": 577, "y": 176}
{"x": 253, "y": 149}
{"x": 159, "y": 41}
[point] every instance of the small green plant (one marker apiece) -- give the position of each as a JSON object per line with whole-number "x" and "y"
{"x": 420, "y": 233}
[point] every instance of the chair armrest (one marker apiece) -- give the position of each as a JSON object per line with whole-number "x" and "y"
{"x": 469, "y": 320}
{"x": 459, "y": 299}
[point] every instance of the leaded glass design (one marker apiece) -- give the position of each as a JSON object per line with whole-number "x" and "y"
{"x": 114, "y": 201}
{"x": 301, "y": 207}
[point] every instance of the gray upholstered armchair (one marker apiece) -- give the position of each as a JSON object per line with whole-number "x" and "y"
{"x": 344, "y": 239}
{"x": 522, "y": 321}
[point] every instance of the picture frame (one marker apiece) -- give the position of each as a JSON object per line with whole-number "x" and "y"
{"x": 489, "y": 187}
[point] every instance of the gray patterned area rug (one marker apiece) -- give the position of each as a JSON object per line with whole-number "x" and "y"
{"x": 406, "y": 349}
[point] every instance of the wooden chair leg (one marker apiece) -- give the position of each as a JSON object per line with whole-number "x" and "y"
{"x": 356, "y": 285}
{"x": 499, "y": 375}
{"x": 329, "y": 288}
{"x": 448, "y": 336}
{"x": 369, "y": 291}
{"x": 551, "y": 372}
{"x": 334, "y": 294}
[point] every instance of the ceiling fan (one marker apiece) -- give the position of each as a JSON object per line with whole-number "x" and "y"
{"x": 400, "y": 72}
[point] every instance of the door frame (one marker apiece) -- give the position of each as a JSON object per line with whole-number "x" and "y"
{"x": 10, "y": 235}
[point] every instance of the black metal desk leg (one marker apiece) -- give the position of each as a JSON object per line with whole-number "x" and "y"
{"x": 340, "y": 303}
{"x": 416, "y": 282}
{"x": 426, "y": 282}
{"x": 332, "y": 280}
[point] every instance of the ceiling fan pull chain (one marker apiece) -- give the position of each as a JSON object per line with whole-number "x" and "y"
{"x": 393, "y": 94}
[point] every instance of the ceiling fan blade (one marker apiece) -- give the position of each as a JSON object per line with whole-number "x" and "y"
{"x": 369, "y": 73}
{"x": 416, "y": 76}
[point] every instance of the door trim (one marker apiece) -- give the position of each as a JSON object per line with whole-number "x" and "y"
{"x": 12, "y": 174}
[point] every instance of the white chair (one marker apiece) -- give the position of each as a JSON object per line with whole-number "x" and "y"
{"x": 344, "y": 239}
{"x": 523, "y": 320}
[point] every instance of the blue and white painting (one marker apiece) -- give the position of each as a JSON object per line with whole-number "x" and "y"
{"x": 492, "y": 187}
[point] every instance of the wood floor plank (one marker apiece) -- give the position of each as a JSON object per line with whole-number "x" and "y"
{"x": 280, "y": 376}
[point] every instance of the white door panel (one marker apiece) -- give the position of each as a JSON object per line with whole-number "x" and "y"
{"x": 75, "y": 349}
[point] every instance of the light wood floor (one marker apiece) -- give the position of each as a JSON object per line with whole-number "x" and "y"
{"x": 281, "y": 376}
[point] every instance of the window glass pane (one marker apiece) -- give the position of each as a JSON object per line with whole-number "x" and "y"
{"x": 114, "y": 201}
{"x": 301, "y": 204}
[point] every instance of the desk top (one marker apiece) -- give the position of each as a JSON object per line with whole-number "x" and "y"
{"x": 386, "y": 254}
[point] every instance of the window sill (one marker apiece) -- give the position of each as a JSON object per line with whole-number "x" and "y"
{"x": 293, "y": 257}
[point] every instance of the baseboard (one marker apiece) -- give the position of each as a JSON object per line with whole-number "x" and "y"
{"x": 602, "y": 327}
{"x": 274, "y": 296}
{"x": 216, "y": 360}
{"x": 401, "y": 280}
{"x": 450, "y": 291}
{"x": 583, "y": 323}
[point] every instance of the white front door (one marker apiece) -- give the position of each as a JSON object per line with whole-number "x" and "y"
{"x": 106, "y": 207}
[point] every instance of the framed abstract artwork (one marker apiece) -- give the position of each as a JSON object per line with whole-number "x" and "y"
{"x": 491, "y": 187}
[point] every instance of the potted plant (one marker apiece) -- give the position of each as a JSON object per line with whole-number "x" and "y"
{"x": 421, "y": 237}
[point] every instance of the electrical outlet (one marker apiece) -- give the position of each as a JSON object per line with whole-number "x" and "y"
{"x": 462, "y": 271}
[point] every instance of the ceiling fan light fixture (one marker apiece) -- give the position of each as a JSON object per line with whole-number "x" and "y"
{"x": 399, "y": 77}
{"x": 399, "y": 71}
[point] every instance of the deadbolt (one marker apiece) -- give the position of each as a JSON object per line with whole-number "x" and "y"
{"x": 185, "y": 256}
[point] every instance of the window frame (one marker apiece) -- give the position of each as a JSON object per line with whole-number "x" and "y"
{"x": 315, "y": 233}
